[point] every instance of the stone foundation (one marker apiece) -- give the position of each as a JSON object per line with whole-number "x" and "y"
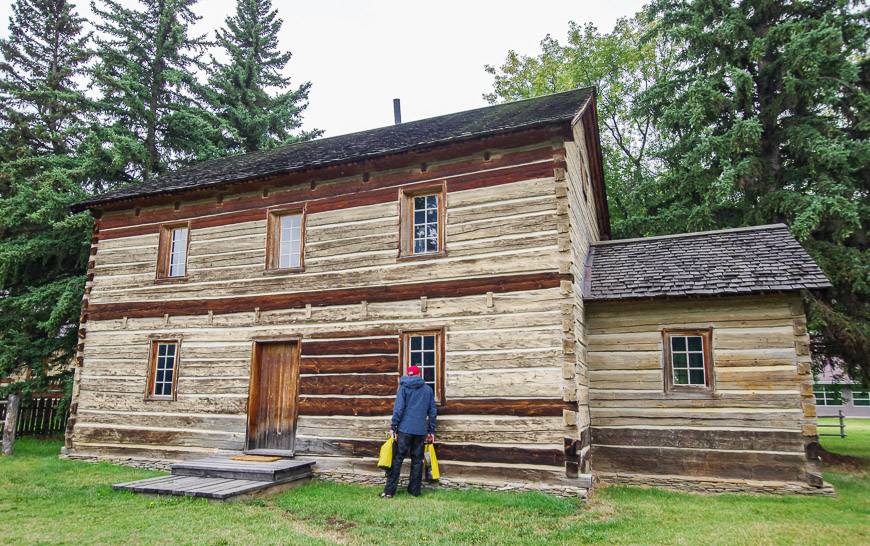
{"x": 712, "y": 485}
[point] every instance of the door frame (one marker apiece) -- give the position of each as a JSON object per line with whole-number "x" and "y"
{"x": 253, "y": 378}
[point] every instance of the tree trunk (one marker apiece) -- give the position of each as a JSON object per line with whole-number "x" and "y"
{"x": 12, "y": 406}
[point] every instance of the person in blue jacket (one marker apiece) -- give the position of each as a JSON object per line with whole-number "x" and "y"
{"x": 412, "y": 426}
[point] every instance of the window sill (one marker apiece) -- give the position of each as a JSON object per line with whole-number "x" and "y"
{"x": 283, "y": 271}
{"x": 160, "y": 399}
{"x": 170, "y": 280}
{"x": 690, "y": 392}
{"x": 427, "y": 256}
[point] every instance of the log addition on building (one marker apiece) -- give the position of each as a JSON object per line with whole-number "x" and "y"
{"x": 269, "y": 302}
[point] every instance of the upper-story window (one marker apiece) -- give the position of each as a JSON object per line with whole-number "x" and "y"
{"x": 172, "y": 251}
{"x": 687, "y": 358}
{"x": 285, "y": 243}
{"x": 422, "y": 222}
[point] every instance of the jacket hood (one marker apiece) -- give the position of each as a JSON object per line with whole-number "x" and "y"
{"x": 412, "y": 381}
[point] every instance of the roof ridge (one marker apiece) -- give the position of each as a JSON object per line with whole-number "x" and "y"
{"x": 691, "y": 234}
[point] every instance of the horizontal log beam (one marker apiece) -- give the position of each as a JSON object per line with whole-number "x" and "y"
{"x": 363, "y": 346}
{"x": 448, "y": 452}
{"x": 748, "y": 440}
{"x": 345, "y": 384}
{"x": 343, "y": 296}
{"x": 750, "y": 465}
{"x": 353, "y": 364}
{"x": 525, "y": 407}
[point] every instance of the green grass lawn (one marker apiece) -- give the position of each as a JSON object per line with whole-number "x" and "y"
{"x": 47, "y": 500}
{"x": 857, "y": 440}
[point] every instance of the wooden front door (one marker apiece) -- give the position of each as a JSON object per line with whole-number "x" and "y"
{"x": 272, "y": 396}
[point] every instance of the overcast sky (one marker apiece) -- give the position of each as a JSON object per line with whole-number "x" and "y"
{"x": 361, "y": 54}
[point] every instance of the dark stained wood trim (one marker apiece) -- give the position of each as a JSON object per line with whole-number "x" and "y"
{"x": 343, "y": 296}
{"x": 362, "y": 346}
{"x": 750, "y": 465}
{"x": 359, "y": 198}
{"x": 707, "y": 346}
{"x": 164, "y": 248}
{"x": 350, "y": 384}
{"x": 154, "y": 342}
{"x": 404, "y": 161}
{"x": 748, "y": 440}
{"x": 273, "y": 227}
{"x": 526, "y": 407}
{"x": 406, "y": 219}
{"x": 358, "y": 364}
{"x": 447, "y": 452}
{"x": 439, "y": 333}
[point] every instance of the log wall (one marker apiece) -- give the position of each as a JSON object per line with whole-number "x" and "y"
{"x": 503, "y": 295}
{"x": 754, "y": 426}
{"x": 575, "y": 183}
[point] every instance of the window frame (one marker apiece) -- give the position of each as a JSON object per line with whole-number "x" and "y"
{"x": 406, "y": 220}
{"x": 164, "y": 250}
{"x": 273, "y": 238}
{"x": 153, "y": 347}
{"x": 865, "y": 397}
{"x": 706, "y": 335}
{"x": 404, "y": 358}
{"x": 833, "y": 395}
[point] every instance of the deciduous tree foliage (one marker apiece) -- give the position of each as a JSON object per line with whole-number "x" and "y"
{"x": 766, "y": 120}
{"x": 621, "y": 66}
{"x": 250, "y": 92}
{"x": 43, "y": 249}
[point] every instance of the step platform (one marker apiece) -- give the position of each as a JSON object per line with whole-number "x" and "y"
{"x": 222, "y": 477}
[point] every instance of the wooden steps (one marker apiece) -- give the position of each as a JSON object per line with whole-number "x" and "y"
{"x": 220, "y": 478}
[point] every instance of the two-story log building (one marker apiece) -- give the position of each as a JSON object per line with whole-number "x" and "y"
{"x": 269, "y": 302}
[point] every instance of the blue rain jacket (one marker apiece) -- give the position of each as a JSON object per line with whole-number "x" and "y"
{"x": 415, "y": 402}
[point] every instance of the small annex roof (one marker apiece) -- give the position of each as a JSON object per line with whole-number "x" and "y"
{"x": 732, "y": 261}
{"x": 413, "y": 135}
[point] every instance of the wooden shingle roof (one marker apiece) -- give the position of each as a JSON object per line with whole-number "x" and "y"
{"x": 414, "y": 135}
{"x": 734, "y": 261}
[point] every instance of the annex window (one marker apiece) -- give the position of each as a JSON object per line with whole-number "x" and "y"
{"x": 425, "y": 350}
{"x": 861, "y": 398}
{"x": 422, "y": 222}
{"x": 285, "y": 243}
{"x": 828, "y": 395}
{"x": 688, "y": 363}
{"x": 172, "y": 251}
{"x": 163, "y": 369}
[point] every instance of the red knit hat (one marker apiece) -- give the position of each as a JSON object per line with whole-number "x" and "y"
{"x": 413, "y": 370}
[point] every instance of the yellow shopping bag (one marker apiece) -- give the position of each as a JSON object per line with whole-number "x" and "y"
{"x": 385, "y": 460}
{"x": 432, "y": 461}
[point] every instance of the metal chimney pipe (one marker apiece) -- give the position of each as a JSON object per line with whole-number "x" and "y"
{"x": 397, "y": 111}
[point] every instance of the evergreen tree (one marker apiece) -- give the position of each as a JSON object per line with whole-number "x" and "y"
{"x": 250, "y": 92}
{"x": 767, "y": 120}
{"x": 43, "y": 249}
{"x": 146, "y": 73}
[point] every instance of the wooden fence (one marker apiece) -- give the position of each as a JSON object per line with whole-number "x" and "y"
{"x": 40, "y": 415}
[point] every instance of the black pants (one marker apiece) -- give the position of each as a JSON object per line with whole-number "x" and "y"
{"x": 405, "y": 443}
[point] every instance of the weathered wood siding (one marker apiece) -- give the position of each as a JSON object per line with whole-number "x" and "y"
{"x": 502, "y": 294}
{"x": 755, "y": 424}
{"x": 575, "y": 182}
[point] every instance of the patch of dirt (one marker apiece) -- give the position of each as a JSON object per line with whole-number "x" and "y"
{"x": 340, "y": 524}
{"x": 839, "y": 462}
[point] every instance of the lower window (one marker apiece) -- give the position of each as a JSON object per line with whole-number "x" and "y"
{"x": 163, "y": 369}
{"x": 424, "y": 350}
{"x": 861, "y": 398}
{"x": 688, "y": 359}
